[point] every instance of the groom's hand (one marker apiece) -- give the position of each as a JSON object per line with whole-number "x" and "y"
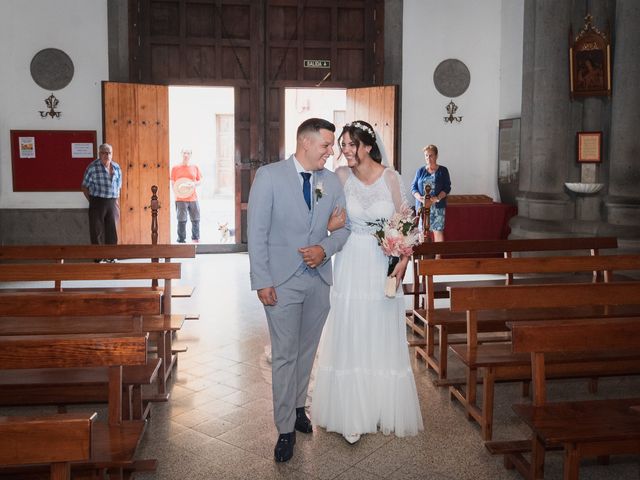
{"x": 267, "y": 296}
{"x": 313, "y": 255}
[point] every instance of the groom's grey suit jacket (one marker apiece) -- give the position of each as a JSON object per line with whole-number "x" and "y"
{"x": 279, "y": 223}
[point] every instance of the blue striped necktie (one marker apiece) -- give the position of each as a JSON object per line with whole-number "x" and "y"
{"x": 306, "y": 188}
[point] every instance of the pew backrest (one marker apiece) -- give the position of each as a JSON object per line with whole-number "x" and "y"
{"x": 80, "y": 303}
{"x": 60, "y": 253}
{"x": 508, "y": 247}
{"x": 499, "y": 248}
{"x": 576, "y": 335}
{"x": 544, "y": 296}
{"x": 606, "y": 264}
{"x": 589, "y": 335}
{"x": 88, "y": 271}
{"x": 45, "y": 439}
{"x": 71, "y": 351}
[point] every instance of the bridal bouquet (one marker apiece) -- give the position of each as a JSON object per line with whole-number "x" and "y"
{"x": 397, "y": 236}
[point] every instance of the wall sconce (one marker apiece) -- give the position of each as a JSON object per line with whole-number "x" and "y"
{"x": 52, "y": 103}
{"x": 452, "y": 108}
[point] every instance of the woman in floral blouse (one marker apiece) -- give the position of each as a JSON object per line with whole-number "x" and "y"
{"x": 437, "y": 178}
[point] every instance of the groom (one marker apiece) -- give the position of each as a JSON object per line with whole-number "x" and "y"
{"x": 289, "y": 253}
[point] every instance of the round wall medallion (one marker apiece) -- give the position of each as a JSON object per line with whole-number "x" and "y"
{"x": 451, "y": 78}
{"x": 52, "y": 69}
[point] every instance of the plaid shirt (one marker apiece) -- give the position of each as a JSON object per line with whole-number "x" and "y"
{"x": 100, "y": 183}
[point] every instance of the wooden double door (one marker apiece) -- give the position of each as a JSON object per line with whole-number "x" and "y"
{"x": 136, "y": 124}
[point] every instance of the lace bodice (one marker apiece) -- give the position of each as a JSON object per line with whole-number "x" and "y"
{"x": 368, "y": 203}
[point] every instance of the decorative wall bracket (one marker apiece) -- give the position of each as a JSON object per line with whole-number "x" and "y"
{"x": 52, "y": 103}
{"x": 452, "y": 108}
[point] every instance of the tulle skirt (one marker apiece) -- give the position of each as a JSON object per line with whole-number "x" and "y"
{"x": 364, "y": 382}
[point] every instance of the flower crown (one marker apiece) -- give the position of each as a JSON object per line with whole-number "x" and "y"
{"x": 362, "y": 127}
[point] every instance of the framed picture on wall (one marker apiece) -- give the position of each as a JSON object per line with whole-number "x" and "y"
{"x": 589, "y": 147}
{"x": 590, "y": 63}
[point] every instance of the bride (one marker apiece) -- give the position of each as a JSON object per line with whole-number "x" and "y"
{"x": 364, "y": 382}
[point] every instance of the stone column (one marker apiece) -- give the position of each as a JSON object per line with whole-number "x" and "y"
{"x": 594, "y": 114}
{"x": 543, "y": 205}
{"x": 623, "y": 203}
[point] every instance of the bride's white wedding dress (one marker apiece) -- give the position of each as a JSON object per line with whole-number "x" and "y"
{"x": 364, "y": 382}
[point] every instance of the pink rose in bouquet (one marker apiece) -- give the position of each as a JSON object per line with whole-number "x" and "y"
{"x": 397, "y": 236}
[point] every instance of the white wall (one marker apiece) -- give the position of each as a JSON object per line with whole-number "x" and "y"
{"x": 486, "y": 36}
{"x": 79, "y": 28}
{"x": 472, "y": 32}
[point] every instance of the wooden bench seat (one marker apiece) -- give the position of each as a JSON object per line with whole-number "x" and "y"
{"x": 108, "y": 300}
{"x": 427, "y": 269}
{"x": 27, "y": 440}
{"x": 495, "y": 320}
{"x": 75, "y": 253}
{"x": 79, "y": 303}
{"x": 84, "y": 272}
{"x": 113, "y": 442}
{"x": 80, "y": 386}
{"x": 496, "y": 248}
{"x": 65, "y": 253}
{"x": 497, "y": 363}
{"x": 487, "y": 249}
{"x": 595, "y": 428}
{"x": 586, "y": 429}
{"x": 37, "y": 387}
{"x": 113, "y": 450}
{"x": 60, "y": 325}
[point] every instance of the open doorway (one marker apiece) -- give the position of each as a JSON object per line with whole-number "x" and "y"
{"x": 201, "y": 121}
{"x": 303, "y": 103}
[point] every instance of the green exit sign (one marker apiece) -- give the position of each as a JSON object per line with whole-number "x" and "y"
{"x": 317, "y": 64}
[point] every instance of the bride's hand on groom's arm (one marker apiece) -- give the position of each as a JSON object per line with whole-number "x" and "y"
{"x": 337, "y": 220}
{"x": 400, "y": 270}
{"x": 313, "y": 256}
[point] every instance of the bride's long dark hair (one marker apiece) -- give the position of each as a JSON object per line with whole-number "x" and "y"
{"x": 361, "y": 132}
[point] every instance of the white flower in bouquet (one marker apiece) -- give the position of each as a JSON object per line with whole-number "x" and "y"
{"x": 397, "y": 236}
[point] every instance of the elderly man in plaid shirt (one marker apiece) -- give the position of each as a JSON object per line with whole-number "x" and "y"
{"x": 101, "y": 185}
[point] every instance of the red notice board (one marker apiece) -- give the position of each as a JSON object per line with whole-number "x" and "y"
{"x": 51, "y": 160}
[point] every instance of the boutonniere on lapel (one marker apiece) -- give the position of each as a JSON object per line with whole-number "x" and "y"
{"x": 319, "y": 191}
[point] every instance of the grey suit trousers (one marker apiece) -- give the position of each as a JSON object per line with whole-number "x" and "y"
{"x": 295, "y": 326}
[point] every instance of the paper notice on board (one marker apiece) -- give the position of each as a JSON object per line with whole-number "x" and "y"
{"x": 82, "y": 150}
{"x": 27, "y": 147}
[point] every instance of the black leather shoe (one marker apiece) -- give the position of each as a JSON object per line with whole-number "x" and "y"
{"x": 303, "y": 424}
{"x": 284, "y": 448}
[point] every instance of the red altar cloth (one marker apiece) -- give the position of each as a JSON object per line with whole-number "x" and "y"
{"x": 479, "y": 221}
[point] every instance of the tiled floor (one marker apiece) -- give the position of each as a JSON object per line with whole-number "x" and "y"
{"x": 218, "y": 423}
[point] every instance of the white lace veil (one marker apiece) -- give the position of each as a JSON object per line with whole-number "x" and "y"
{"x": 383, "y": 151}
